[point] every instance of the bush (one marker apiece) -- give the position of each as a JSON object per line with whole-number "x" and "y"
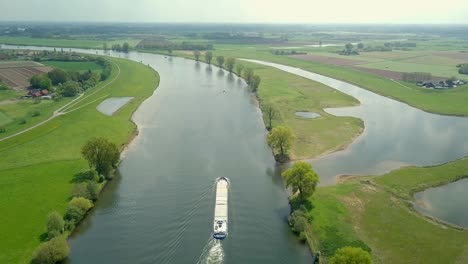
{"x": 35, "y": 113}
{"x": 53, "y": 251}
{"x": 88, "y": 190}
{"x": 55, "y": 225}
{"x": 351, "y": 255}
{"x": 69, "y": 89}
{"x": 37, "y": 100}
{"x": 298, "y": 222}
{"x": 21, "y": 121}
{"x": 2, "y": 129}
{"x": 77, "y": 208}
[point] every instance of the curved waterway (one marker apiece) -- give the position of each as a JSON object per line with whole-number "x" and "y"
{"x": 201, "y": 123}
{"x": 395, "y": 134}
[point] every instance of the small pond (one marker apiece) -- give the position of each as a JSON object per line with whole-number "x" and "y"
{"x": 447, "y": 202}
{"x": 307, "y": 114}
{"x": 111, "y": 105}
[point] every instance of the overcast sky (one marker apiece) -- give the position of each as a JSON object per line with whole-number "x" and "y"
{"x": 238, "y": 11}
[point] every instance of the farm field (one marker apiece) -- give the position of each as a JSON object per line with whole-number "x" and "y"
{"x": 352, "y": 211}
{"x": 87, "y": 43}
{"x": 41, "y": 159}
{"x": 16, "y": 74}
{"x": 80, "y": 66}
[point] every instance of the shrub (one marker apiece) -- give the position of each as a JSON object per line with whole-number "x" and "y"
{"x": 88, "y": 190}
{"x": 37, "y": 100}
{"x": 55, "y": 225}
{"x": 351, "y": 255}
{"x": 52, "y": 251}
{"x": 77, "y": 209}
{"x": 35, "y": 113}
{"x": 2, "y": 129}
{"x": 298, "y": 222}
{"x": 21, "y": 121}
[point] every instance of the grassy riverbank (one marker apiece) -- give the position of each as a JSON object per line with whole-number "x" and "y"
{"x": 447, "y": 102}
{"x": 376, "y": 210}
{"x": 38, "y": 166}
{"x": 289, "y": 94}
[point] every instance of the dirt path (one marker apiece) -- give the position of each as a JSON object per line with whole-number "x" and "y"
{"x": 61, "y": 111}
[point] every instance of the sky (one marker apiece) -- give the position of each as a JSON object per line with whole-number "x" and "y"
{"x": 239, "y": 11}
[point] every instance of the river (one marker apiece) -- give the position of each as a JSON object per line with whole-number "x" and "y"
{"x": 395, "y": 134}
{"x": 200, "y": 124}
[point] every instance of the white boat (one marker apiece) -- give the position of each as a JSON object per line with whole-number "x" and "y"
{"x": 220, "y": 224}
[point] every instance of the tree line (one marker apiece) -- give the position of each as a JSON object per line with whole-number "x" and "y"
{"x": 69, "y": 83}
{"x": 103, "y": 157}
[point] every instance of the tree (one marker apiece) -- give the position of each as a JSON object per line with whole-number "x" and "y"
{"x": 301, "y": 177}
{"x": 57, "y": 76}
{"x": 55, "y": 225}
{"x": 220, "y": 60}
{"x": 196, "y": 53}
{"x": 104, "y": 46}
{"x": 117, "y": 47}
{"x": 255, "y": 82}
{"x": 230, "y": 62}
{"x": 349, "y": 47}
{"x": 360, "y": 45}
{"x": 125, "y": 47}
{"x": 53, "y": 251}
{"x": 248, "y": 75}
{"x": 208, "y": 56}
{"x": 40, "y": 81}
{"x": 351, "y": 255}
{"x": 77, "y": 209}
{"x": 298, "y": 222}
{"x": 280, "y": 139}
{"x": 102, "y": 155}
{"x": 270, "y": 113}
{"x": 239, "y": 68}
{"x": 69, "y": 89}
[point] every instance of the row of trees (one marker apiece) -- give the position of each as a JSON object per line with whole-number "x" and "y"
{"x": 70, "y": 83}
{"x": 160, "y": 43}
{"x": 102, "y": 156}
{"x": 125, "y": 47}
{"x": 415, "y": 77}
{"x": 230, "y": 65}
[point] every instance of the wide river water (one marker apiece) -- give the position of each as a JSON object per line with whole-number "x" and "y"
{"x": 202, "y": 123}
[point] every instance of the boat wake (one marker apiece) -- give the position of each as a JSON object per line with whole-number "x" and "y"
{"x": 213, "y": 252}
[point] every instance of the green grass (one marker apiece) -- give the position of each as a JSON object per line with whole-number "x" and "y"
{"x": 87, "y": 43}
{"x": 38, "y": 165}
{"x": 80, "y": 66}
{"x": 289, "y": 93}
{"x": 448, "y": 102}
{"x": 374, "y": 210}
{"x": 399, "y": 66}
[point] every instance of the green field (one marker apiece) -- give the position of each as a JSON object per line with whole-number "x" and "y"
{"x": 37, "y": 166}
{"x": 435, "y": 69}
{"x": 87, "y": 43}
{"x": 289, "y": 93}
{"x": 74, "y": 65}
{"x": 376, "y": 211}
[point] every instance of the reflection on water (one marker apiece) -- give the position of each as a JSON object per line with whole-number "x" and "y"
{"x": 395, "y": 134}
{"x": 447, "y": 202}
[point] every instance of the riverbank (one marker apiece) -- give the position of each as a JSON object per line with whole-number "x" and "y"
{"x": 38, "y": 166}
{"x": 444, "y": 102}
{"x": 378, "y": 211}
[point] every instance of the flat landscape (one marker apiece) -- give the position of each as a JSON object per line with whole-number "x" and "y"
{"x": 39, "y": 160}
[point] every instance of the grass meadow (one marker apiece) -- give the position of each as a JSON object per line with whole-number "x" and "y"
{"x": 37, "y": 167}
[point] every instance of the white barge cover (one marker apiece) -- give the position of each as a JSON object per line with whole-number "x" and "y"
{"x": 221, "y": 209}
{"x": 221, "y": 206}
